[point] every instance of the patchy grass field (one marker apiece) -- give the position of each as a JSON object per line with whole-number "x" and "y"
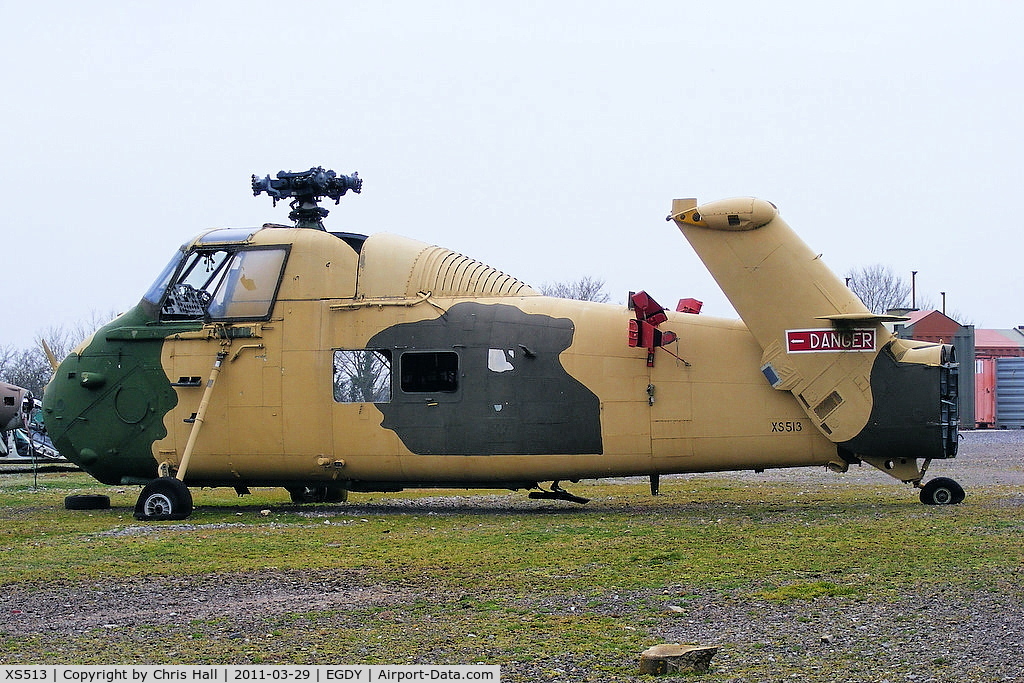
{"x": 548, "y": 590}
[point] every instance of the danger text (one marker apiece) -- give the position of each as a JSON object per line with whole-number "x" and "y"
{"x": 819, "y": 341}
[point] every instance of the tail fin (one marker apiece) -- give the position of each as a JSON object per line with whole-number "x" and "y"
{"x": 819, "y": 341}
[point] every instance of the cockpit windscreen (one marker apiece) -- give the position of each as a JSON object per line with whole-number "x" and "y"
{"x": 227, "y": 283}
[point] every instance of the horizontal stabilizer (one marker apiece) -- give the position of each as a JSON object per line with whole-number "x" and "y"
{"x": 870, "y": 318}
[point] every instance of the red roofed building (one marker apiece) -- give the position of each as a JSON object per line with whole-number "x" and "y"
{"x": 999, "y": 343}
{"x": 930, "y": 326}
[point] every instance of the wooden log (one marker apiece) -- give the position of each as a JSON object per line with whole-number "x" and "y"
{"x": 675, "y": 658}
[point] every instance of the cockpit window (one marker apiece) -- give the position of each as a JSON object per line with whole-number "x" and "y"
{"x": 159, "y": 286}
{"x": 249, "y": 285}
{"x": 225, "y": 284}
{"x": 222, "y": 235}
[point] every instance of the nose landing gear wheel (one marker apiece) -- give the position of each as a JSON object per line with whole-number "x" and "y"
{"x": 942, "y": 491}
{"x": 162, "y": 499}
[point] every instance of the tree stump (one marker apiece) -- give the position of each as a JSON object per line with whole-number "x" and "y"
{"x": 674, "y": 658}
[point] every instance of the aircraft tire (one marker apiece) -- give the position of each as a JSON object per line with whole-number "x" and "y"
{"x": 87, "y": 502}
{"x": 942, "y": 491}
{"x": 163, "y": 499}
{"x": 335, "y": 494}
{"x": 301, "y": 494}
{"x": 318, "y": 494}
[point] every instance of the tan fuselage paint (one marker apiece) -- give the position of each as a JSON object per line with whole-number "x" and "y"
{"x": 272, "y": 416}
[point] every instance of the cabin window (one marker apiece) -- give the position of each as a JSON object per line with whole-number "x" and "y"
{"x": 224, "y": 284}
{"x": 430, "y": 371}
{"x": 362, "y": 376}
{"x": 501, "y": 360}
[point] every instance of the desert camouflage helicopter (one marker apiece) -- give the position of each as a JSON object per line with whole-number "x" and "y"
{"x": 321, "y": 362}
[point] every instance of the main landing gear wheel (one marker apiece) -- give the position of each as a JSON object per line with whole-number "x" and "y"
{"x": 942, "y": 491}
{"x": 164, "y": 498}
{"x": 326, "y": 493}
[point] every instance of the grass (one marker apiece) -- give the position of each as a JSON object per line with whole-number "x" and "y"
{"x": 701, "y": 532}
{"x": 526, "y": 582}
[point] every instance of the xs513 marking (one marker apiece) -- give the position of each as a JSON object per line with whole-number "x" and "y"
{"x": 787, "y": 426}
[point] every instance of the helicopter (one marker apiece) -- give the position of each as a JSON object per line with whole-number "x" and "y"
{"x": 12, "y": 400}
{"x": 328, "y": 362}
{"x": 22, "y": 436}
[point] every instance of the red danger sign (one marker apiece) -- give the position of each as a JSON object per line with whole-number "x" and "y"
{"x": 823, "y": 341}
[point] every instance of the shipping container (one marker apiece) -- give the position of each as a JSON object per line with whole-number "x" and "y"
{"x": 1010, "y": 393}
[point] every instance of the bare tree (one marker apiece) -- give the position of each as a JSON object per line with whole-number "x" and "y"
{"x": 9, "y": 361}
{"x": 29, "y": 369}
{"x": 879, "y": 288}
{"x": 585, "y": 289}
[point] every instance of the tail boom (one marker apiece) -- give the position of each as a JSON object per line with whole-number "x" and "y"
{"x": 871, "y": 394}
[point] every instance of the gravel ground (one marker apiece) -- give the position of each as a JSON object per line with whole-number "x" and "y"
{"x": 943, "y": 633}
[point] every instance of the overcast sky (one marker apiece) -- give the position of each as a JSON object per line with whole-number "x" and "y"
{"x": 547, "y": 139}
